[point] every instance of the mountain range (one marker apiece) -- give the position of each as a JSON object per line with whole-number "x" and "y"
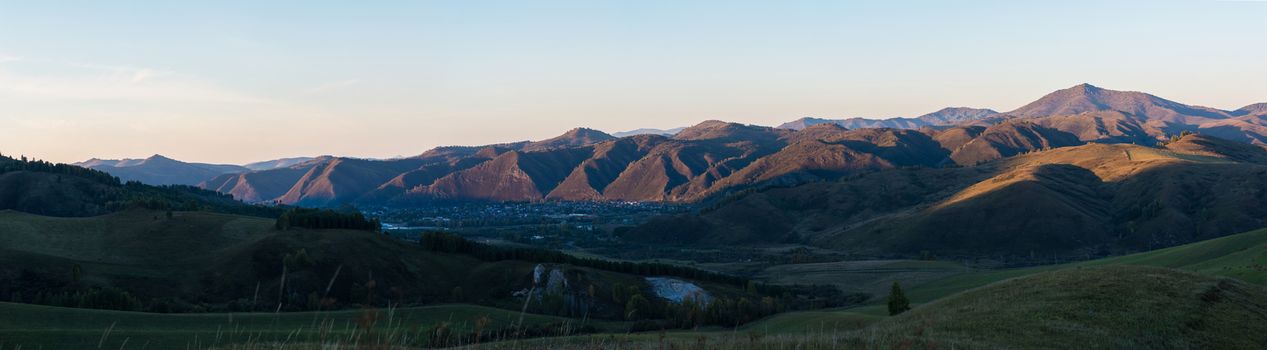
{"x": 946, "y": 116}
{"x": 716, "y": 157}
{"x": 160, "y": 170}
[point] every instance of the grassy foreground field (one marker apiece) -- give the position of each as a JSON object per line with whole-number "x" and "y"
{"x": 1115, "y": 307}
{"x": 45, "y": 327}
{"x": 1242, "y": 256}
{"x": 1100, "y": 307}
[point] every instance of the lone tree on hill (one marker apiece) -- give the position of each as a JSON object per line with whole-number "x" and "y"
{"x": 897, "y": 300}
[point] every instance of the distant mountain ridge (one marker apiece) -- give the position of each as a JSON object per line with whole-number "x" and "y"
{"x": 160, "y": 170}
{"x": 715, "y": 157}
{"x": 583, "y": 165}
{"x": 648, "y": 131}
{"x": 945, "y": 116}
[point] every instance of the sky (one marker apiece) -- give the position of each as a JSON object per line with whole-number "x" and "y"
{"x": 241, "y": 81}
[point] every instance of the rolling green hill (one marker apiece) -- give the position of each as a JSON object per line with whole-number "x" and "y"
{"x": 1106, "y": 307}
{"x": 1082, "y": 307}
{"x": 1242, "y": 256}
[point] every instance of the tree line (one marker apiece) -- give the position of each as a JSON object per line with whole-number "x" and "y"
{"x": 23, "y": 164}
{"x": 326, "y": 219}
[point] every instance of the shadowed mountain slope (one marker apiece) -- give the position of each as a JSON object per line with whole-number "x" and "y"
{"x": 1008, "y": 139}
{"x": 336, "y": 181}
{"x": 590, "y": 179}
{"x": 1105, "y": 127}
{"x": 513, "y": 175}
{"x": 259, "y": 186}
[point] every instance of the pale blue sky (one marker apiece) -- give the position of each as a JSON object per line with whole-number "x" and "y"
{"x": 237, "y": 81}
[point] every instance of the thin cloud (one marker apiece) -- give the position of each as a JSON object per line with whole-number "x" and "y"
{"x": 8, "y": 58}
{"x": 331, "y": 86}
{"x": 91, "y": 81}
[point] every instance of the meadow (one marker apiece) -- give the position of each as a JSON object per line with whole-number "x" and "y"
{"x": 36, "y": 326}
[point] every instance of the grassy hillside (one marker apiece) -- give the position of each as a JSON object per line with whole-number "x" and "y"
{"x": 1105, "y": 307}
{"x": 1108, "y": 307}
{"x": 1241, "y": 256}
{"x": 36, "y": 326}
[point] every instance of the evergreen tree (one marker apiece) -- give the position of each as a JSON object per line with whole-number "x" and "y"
{"x": 897, "y": 300}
